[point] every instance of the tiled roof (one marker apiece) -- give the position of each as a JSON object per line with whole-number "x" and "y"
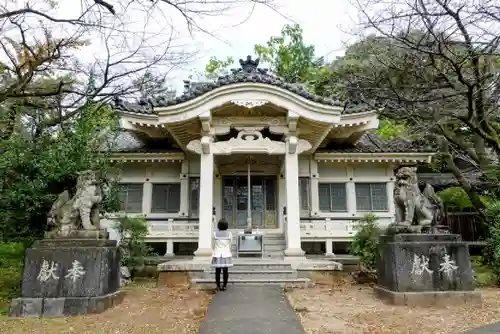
{"x": 368, "y": 143}
{"x": 443, "y": 180}
{"x": 249, "y": 72}
{"x": 128, "y": 142}
{"x": 372, "y": 143}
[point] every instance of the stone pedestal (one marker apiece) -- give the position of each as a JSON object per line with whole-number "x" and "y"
{"x": 65, "y": 276}
{"x": 425, "y": 269}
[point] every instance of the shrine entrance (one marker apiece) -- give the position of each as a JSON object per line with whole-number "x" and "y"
{"x": 250, "y": 198}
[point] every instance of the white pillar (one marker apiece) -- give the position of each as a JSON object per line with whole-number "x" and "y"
{"x": 205, "y": 204}
{"x": 351, "y": 192}
{"x": 293, "y": 247}
{"x": 184, "y": 207}
{"x": 147, "y": 197}
{"x": 329, "y": 247}
{"x": 170, "y": 248}
{"x": 390, "y": 198}
{"x": 314, "y": 177}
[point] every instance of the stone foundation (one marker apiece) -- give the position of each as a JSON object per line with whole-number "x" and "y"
{"x": 433, "y": 298}
{"x": 425, "y": 269}
{"x": 66, "y": 276}
{"x": 63, "y": 306}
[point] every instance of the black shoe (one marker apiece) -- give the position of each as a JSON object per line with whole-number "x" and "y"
{"x": 223, "y": 288}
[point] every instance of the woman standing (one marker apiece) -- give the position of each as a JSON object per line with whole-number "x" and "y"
{"x": 221, "y": 256}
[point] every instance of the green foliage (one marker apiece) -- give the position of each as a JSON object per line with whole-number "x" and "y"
{"x": 132, "y": 231}
{"x": 111, "y": 201}
{"x": 289, "y": 56}
{"x": 150, "y": 85}
{"x": 457, "y": 198}
{"x": 11, "y": 270}
{"x": 392, "y": 129}
{"x": 485, "y": 277}
{"x": 365, "y": 242}
{"x": 215, "y": 67}
{"x": 492, "y": 250}
{"x": 35, "y": 169}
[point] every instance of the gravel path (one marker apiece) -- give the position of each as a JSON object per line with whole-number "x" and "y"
{"x": 353, "y": 309}
{"x": 145, "y": 310}
{"x": 250, "y": 310}
{"x": 489, "y": 329}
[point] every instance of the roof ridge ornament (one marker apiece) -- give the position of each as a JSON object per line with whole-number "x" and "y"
{"x": 249, "y": 65}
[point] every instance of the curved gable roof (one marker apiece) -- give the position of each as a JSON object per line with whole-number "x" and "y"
{"x": 248, "y": 73}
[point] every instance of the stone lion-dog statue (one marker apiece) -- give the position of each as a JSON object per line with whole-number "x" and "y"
{"x": 80, "y": 212}
{"x": 415, "y": 209}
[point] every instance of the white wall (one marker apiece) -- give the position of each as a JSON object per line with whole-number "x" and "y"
{"x": 350, "y": 173}
{"x": 318, "y": 172}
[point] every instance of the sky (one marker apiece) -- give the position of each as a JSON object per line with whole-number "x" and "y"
{"x": 327, "y": 24}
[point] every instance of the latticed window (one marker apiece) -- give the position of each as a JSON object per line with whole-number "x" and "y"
{"x": 371, "y": 197}
{"x": 304, "y": 195}
{"x": 166, "y": 198}
{"x": 194, "y": 196}
{"x": 131, "y": 197}
{"x": 332, "y": 197}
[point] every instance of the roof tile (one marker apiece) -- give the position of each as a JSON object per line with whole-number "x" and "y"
{"x": 249, "y": 72}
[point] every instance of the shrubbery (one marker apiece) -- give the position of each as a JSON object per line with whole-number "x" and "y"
{"x": 492, "y": 250}
{"x": 365, "y": 242}
{"x": 133, "y": 248}
{"x": 11, "y": 270}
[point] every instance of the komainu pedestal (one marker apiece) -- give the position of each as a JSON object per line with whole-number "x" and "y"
{"x": 65, "y": 276}
{"x": 425, "y": 269}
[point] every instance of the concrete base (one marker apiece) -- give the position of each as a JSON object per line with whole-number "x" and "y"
{"x": 63, "y": 306}
{"x": 85, "y": 234}
{"x": 430, "y": 298}
{"x": 291, "y": 272}
{"x": 93, "y": 288}
{"x": 294, "y": 252}
{"x": 203, "y": 253}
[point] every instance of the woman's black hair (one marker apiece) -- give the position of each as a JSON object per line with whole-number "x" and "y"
{"x": 222, "y": 225}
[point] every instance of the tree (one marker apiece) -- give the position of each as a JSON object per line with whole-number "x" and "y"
{"x": 33, "y": 172}
{"x": 216, "y": 67}
{"x": 153, "y": 86}
{"x": 434, "y": 65}
{"x": 40, "y": 43}
{"x": 288, "y": 55}
{"x": 55, "y": 114}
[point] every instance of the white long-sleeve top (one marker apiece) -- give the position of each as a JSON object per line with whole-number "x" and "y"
{"x": 222, "y": 244}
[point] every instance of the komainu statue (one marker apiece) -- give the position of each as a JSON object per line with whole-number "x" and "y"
{"x": 415, "y": 209}
{"x": 80, "y": 212}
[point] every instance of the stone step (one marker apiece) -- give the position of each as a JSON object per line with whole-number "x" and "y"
{"x": 203, "y": 283}
{"x": 260, "y": 274}
{"x": 274, "y": 242}
{"x": 273, "y": 247}
{"x": 261, "y": 266}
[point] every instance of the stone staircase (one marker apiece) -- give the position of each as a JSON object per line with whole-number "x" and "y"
{"x": 274, "y": 246}
{"x": 255, "y": 272}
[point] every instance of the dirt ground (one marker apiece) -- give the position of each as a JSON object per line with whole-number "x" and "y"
{"x": 146, "y": 309}
{"x": 351, "y": 309}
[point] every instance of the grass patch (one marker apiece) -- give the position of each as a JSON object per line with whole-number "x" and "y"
{"x": 485, "y": 277}
{"x": 11, "y": 270}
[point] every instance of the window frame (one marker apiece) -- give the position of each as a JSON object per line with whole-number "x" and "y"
{"x": 154, "y": 210}
{"x": 124, "y": 205}
{"x": 370, "y": 184}
{"x": 330, "y": 197}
